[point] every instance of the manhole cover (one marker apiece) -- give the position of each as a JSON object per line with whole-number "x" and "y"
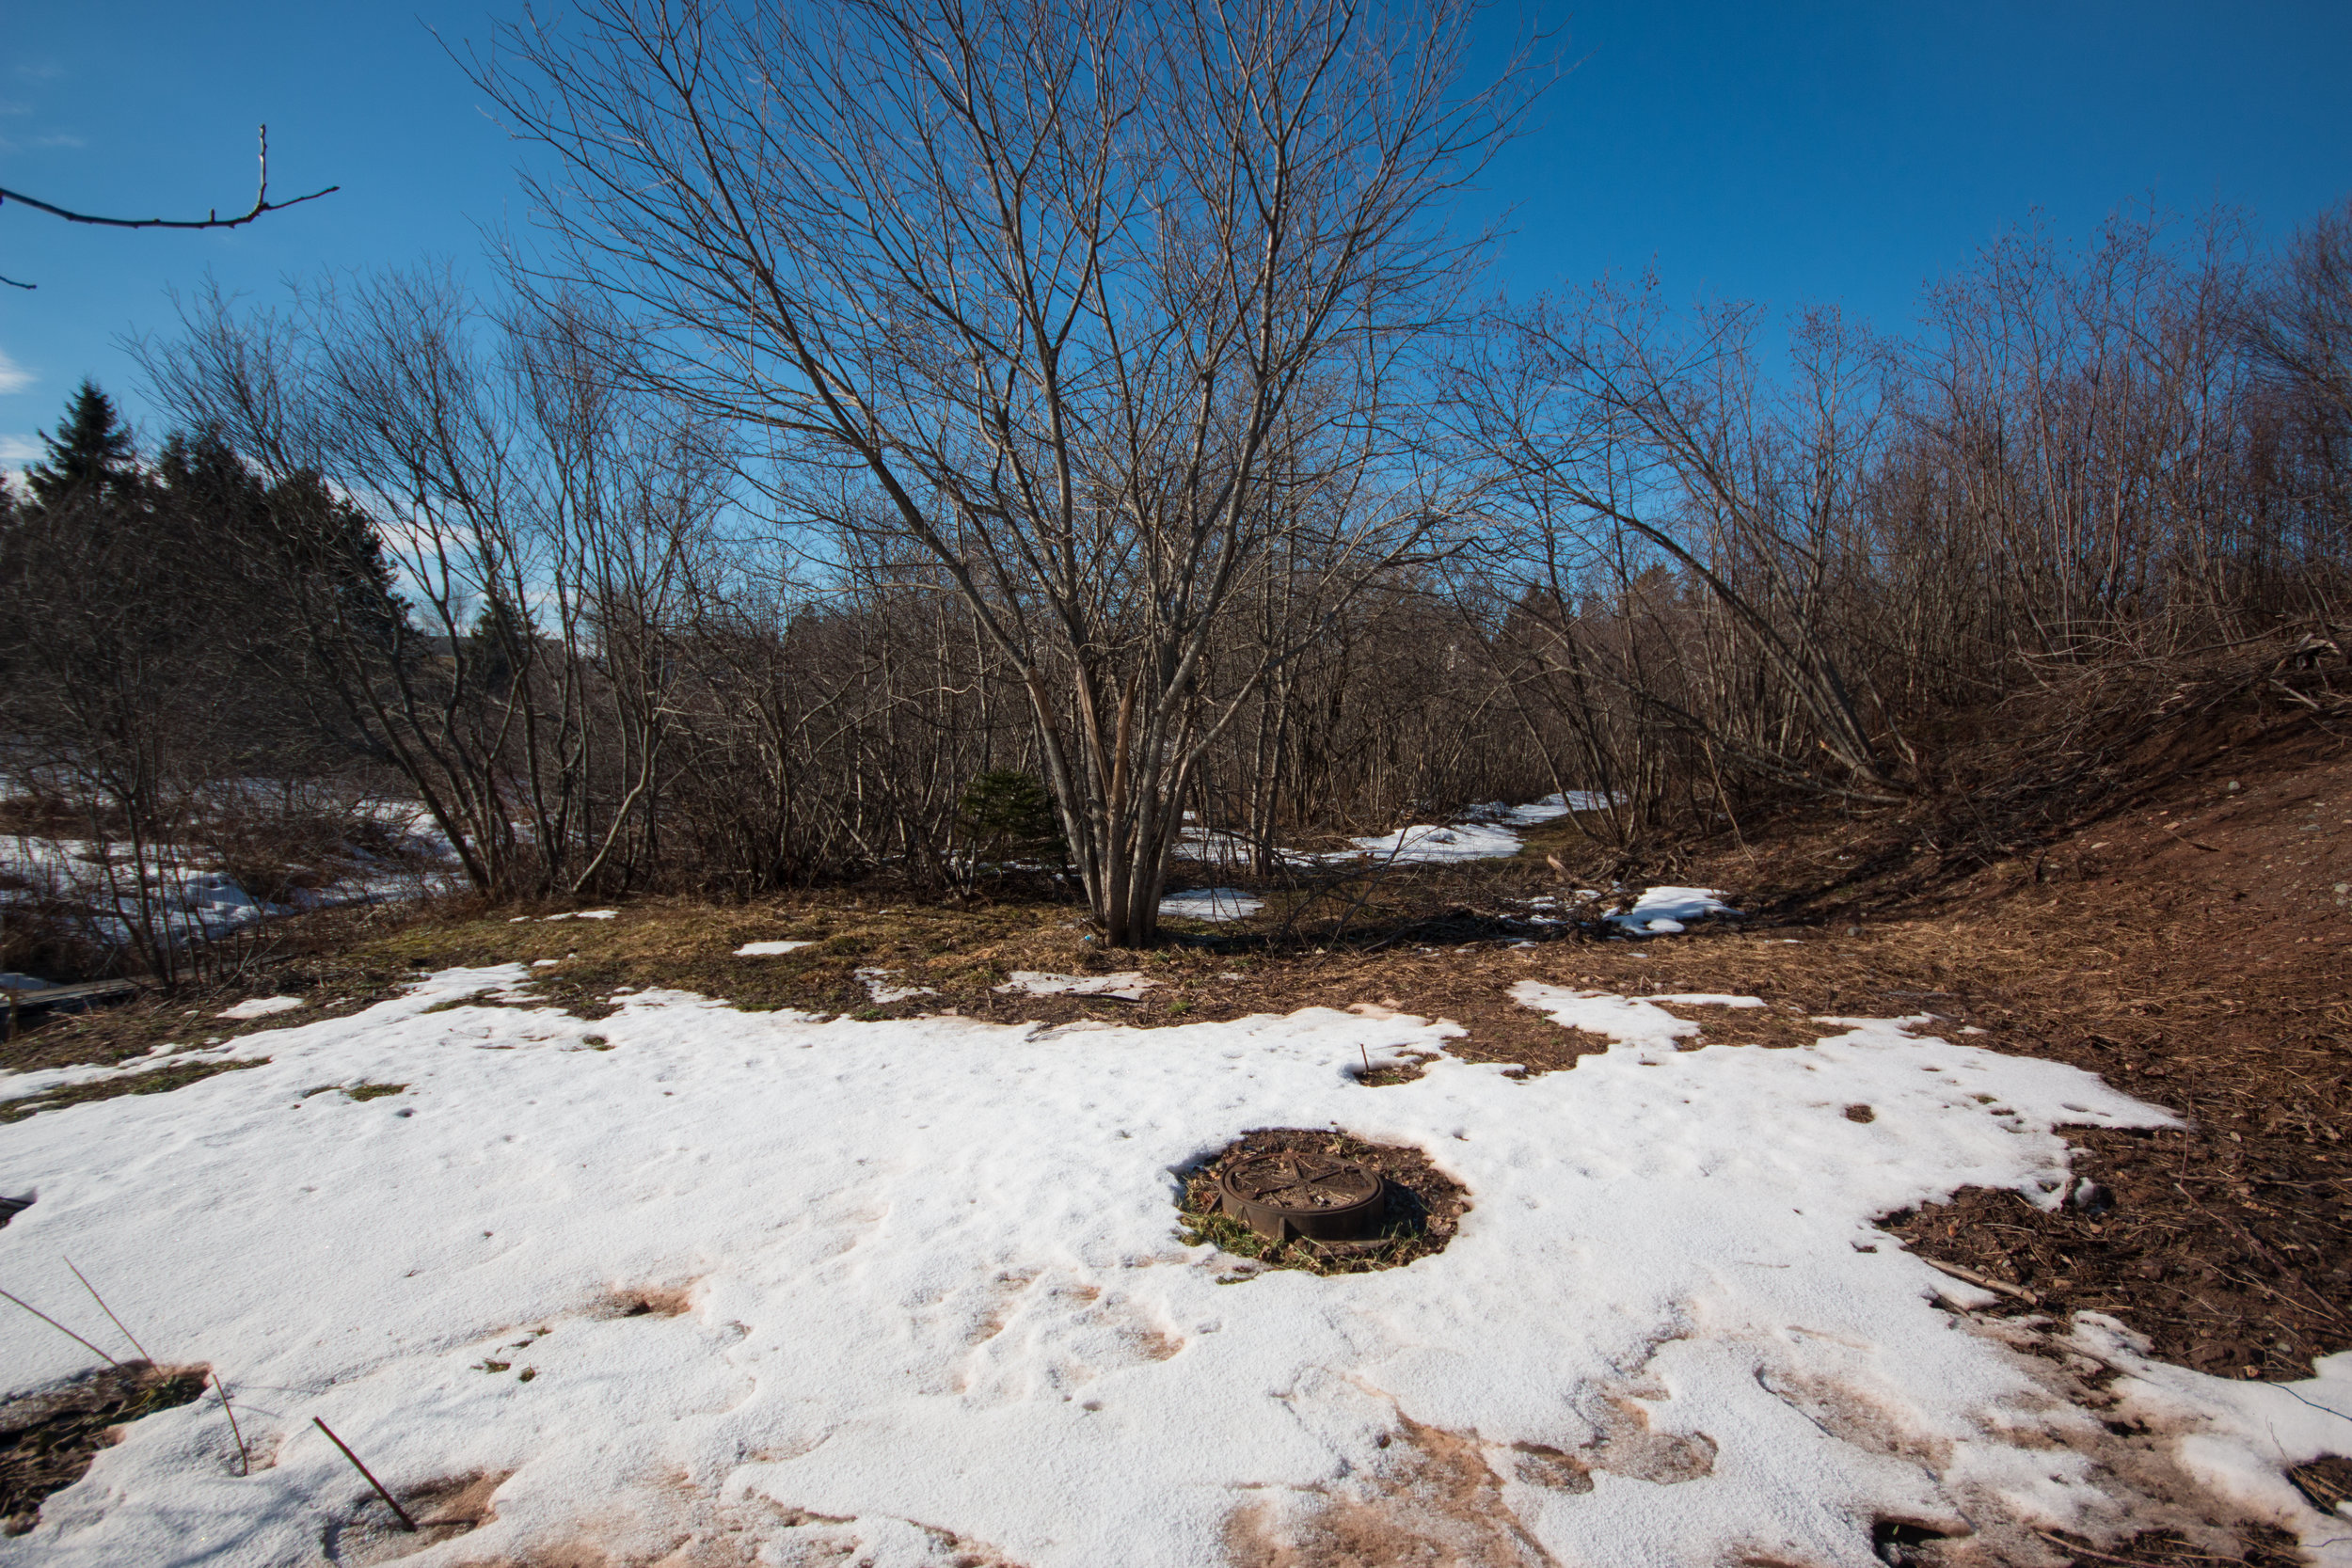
{"x": 1319, "y": 1199}
{"x": 1293, "y": 1193}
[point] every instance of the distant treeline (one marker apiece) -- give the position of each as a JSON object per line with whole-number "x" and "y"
{"x": 718, "y": 559}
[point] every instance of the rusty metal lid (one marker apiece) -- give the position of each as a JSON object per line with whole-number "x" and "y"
{"x": 1287, "y": 1193}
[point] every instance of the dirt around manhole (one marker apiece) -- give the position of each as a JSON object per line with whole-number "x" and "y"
{"x": 1426, "y": 1206}
{"x": 47, "y": 1440}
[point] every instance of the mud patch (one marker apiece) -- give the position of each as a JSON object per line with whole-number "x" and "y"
{"x": 443, "y": 1510}
{"x": 2144, "y": 1508}
{"x": 1434, "y": 1502}
{"x": 1628, "y": 1446}
{"x": 649, "y": 1301}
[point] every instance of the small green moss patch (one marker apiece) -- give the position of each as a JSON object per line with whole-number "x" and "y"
{"x": 471, "y": 999}
{"x": 161, "y": 1081}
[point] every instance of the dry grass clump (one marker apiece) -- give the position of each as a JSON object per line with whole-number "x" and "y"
{"x": 47, "y": 1440}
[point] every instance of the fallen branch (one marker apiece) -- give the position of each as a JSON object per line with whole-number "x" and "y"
{"x": 245, "y": 1466}
{"x": 2126, "y": 1561}
{"x": 1971, "y": 1276}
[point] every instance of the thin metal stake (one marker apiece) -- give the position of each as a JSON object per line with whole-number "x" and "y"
{"x": 391, "y": 1501}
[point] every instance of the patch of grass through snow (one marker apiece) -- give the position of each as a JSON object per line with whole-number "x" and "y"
{"x": 161, "y": 1081}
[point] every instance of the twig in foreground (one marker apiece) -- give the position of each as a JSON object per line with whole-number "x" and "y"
{"x": 391, "y": 1501}
{"x": 245, "y": 1466}
{"x": 110, "y": 1313}
{"x": 60, "y": 1327}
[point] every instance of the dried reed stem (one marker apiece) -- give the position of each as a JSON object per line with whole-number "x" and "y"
{"x": 390, "y": 1500}
{"x": 110, "y": 1313}
{"x": 60, "y": 1327}
{"x": 245, "y": 1466}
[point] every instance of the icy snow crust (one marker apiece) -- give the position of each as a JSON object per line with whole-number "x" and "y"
{"x": 1211, "y": 903}
{"x": 1666, "y": 910}
{"x": 932, "y": 1303}
{"x": 1488, "y": 832}
{"x": 1129, "y": 984}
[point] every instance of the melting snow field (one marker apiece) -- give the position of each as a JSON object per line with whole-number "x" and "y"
{"x": 1490, "y": 832}
{"x": 705, "y": 1286}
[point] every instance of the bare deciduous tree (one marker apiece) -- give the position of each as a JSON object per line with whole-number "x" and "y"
{"x": 1089, "y": 302}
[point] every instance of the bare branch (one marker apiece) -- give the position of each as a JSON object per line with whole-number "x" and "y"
{"x": 212, "y": 219}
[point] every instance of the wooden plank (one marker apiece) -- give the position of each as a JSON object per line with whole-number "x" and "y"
{"x": 86, "y": 990}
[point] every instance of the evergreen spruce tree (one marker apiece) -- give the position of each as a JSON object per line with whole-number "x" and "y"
{"x": 336, "y": 542}
{"x": 93, "y": 451}
{"x": 1009, "y": 814}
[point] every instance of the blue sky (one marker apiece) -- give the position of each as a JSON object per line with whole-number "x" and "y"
{"x": 1788, "y": 153}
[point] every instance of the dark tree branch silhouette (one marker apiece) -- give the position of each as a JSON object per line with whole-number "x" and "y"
{"x": 212, "y": 218}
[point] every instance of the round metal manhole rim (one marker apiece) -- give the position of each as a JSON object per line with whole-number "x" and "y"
{"x": 1322, "y": 1197}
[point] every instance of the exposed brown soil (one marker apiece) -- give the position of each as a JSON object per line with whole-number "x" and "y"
{"x": 2257, "y": 1546}
{"x": 47, "y": 1440}
{"x": 1426, "y": 1206}
{"x": 2326, "y": 1482}
{"x": 1436, "y": 1503}
{"x": 443, "y": 1510}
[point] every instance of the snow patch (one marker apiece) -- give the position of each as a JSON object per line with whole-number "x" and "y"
{"x": 770, "y": 949}
{"x": 261, "y": 1007}
{"x": 1666, "y": 910}
{"x": 1128, "y": 987}
{"x": 909, "y": 1291}
{"x": 1211, "y": 903}
{"x": 882, "y": 991}
{"x": 1487, "y": 831}
{"x": 1429, "y": 844}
